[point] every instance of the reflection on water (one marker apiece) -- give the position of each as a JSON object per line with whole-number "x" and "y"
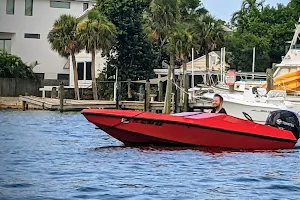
{"x": 48, "y": 155}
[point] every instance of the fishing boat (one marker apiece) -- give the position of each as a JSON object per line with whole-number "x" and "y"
{"x": 197, "y": 129}
{"x": 254, "y": 101}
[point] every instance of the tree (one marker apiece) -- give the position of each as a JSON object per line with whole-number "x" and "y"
{"x": 63, "y": 39}
{"x": 249, "y": 12}
{"x": 266, "y": 28}
{"x": 185, "y": 41}
{"x": 210, "y": 33}
{"x": 97, "y": 33}
{"x": 131, "y": 54}
{"x": 12, "y": 66}
{"x": 241, "y": 46}
{"x": 162, "y": 18}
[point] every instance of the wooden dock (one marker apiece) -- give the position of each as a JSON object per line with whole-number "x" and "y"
{"x": 75, "y": 105}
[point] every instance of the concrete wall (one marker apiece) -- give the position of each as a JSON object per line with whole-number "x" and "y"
{"x": 30, "y": 50}
{"x": 11, "y": 87}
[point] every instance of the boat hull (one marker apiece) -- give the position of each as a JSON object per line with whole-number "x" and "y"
{"x": 138, "y": 130}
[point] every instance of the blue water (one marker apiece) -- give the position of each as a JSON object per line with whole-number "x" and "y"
{"x": 47, "y": 155}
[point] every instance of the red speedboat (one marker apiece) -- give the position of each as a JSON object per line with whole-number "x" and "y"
{"x": 197, "y": 129}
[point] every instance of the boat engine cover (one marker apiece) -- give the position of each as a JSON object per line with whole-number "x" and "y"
{"x": 286, "y": 120}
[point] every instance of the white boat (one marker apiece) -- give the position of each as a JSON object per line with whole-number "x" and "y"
{"x": 254, "y": 102}
{"x": 240, "y": 86}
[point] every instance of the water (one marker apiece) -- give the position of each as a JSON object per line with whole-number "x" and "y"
{"x": 48, "y": 155}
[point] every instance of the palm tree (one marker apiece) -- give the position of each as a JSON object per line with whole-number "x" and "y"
{"x": 63, "y": 39}
{"x": 249, "y": 9}
{"x": 97, "y": 33}
{"x": 185, "y": 41}
{"x": 210, "y": 34}
{"x": 160, "y": 25}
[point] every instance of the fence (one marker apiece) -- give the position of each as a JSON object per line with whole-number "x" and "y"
{"x": 12, "y": 87}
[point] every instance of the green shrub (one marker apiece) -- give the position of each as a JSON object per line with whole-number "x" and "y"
{"x": 11, "y": 66}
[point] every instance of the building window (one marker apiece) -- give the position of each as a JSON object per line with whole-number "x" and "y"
{"x": 63, "y": 76}
{"x": 10, "y": 7}
{"x": 84, "y": 70}
{"x": 5, "y": 44}
{"x": 28, "y": 7}
{"x": 85, "y": 6}
{"x": 32, "y": 36}
{"x": 60, "y": 4}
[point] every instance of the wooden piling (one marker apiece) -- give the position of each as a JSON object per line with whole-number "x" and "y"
{"x": 117, "y": 97}
{"x": 269, "y": 79}
{"x": 185, "y": 94}
{"x": 53, "y": 92}
{"x": 167, "y": 102}
{"x": 141, "y": 93}
{"x": 147, "y": 96}
{"x": 23, "y": 105}
{"x": 61, "y": 97}
{"x": 231, "y": 88}
{"x": 129, "y": 89}
{"x": 177, "y": 96}
{"x": 160, "y": 91}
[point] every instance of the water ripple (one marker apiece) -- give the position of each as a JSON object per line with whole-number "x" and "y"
{"x": 48, "y": 155}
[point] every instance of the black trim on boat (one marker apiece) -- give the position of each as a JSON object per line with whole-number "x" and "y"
{"x": 194, "y": 125}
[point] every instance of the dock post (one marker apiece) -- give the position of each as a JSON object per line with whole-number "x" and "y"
{"x": 269, "y": 79}
{"x": 129, "y": 89}
{"x": 231, "y": 88}
{"x": 53, "y": 92}
{"x": 160, "y": 91}
{"x": 61, "y": 97}
{"x": 147, "y": 96}
{"x": 23, "y": 105}
{"x": 177, "y": 96}
{"x": 141, "y": 93}
{"x": 185, "y": 93}
{"x": 117, "y": 97}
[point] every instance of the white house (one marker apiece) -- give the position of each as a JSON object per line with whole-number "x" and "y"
{"x": 24, "y": 26}
{"x": 199, "y": 67}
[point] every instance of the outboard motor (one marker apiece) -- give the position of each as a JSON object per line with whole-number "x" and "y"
{"x": 286, "y": 120}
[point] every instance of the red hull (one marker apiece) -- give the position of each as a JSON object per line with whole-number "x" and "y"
{"x": 135, "y": 128}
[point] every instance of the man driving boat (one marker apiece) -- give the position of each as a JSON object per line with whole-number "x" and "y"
{"x": 217, "y": 104}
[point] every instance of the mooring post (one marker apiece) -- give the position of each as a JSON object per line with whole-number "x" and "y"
{"x": 177, "y": 96}
{"x": 23, "y": 105}
{"x": 53, "y": 92}
{"x": 129, "y": 89}
{"x": 117, "y": 96}
{"x": 269, "y": 79}
{"x": 141, "y": 93}
{"x": 160, "y": 91}
{"x": 147, "y": 96}
{"x": 61, "y": 97}
{"x": 185, "y": 94}
{"x": 231, "y": 88}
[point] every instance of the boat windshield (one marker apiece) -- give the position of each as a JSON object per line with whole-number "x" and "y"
{"x": 185, "y": 114}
